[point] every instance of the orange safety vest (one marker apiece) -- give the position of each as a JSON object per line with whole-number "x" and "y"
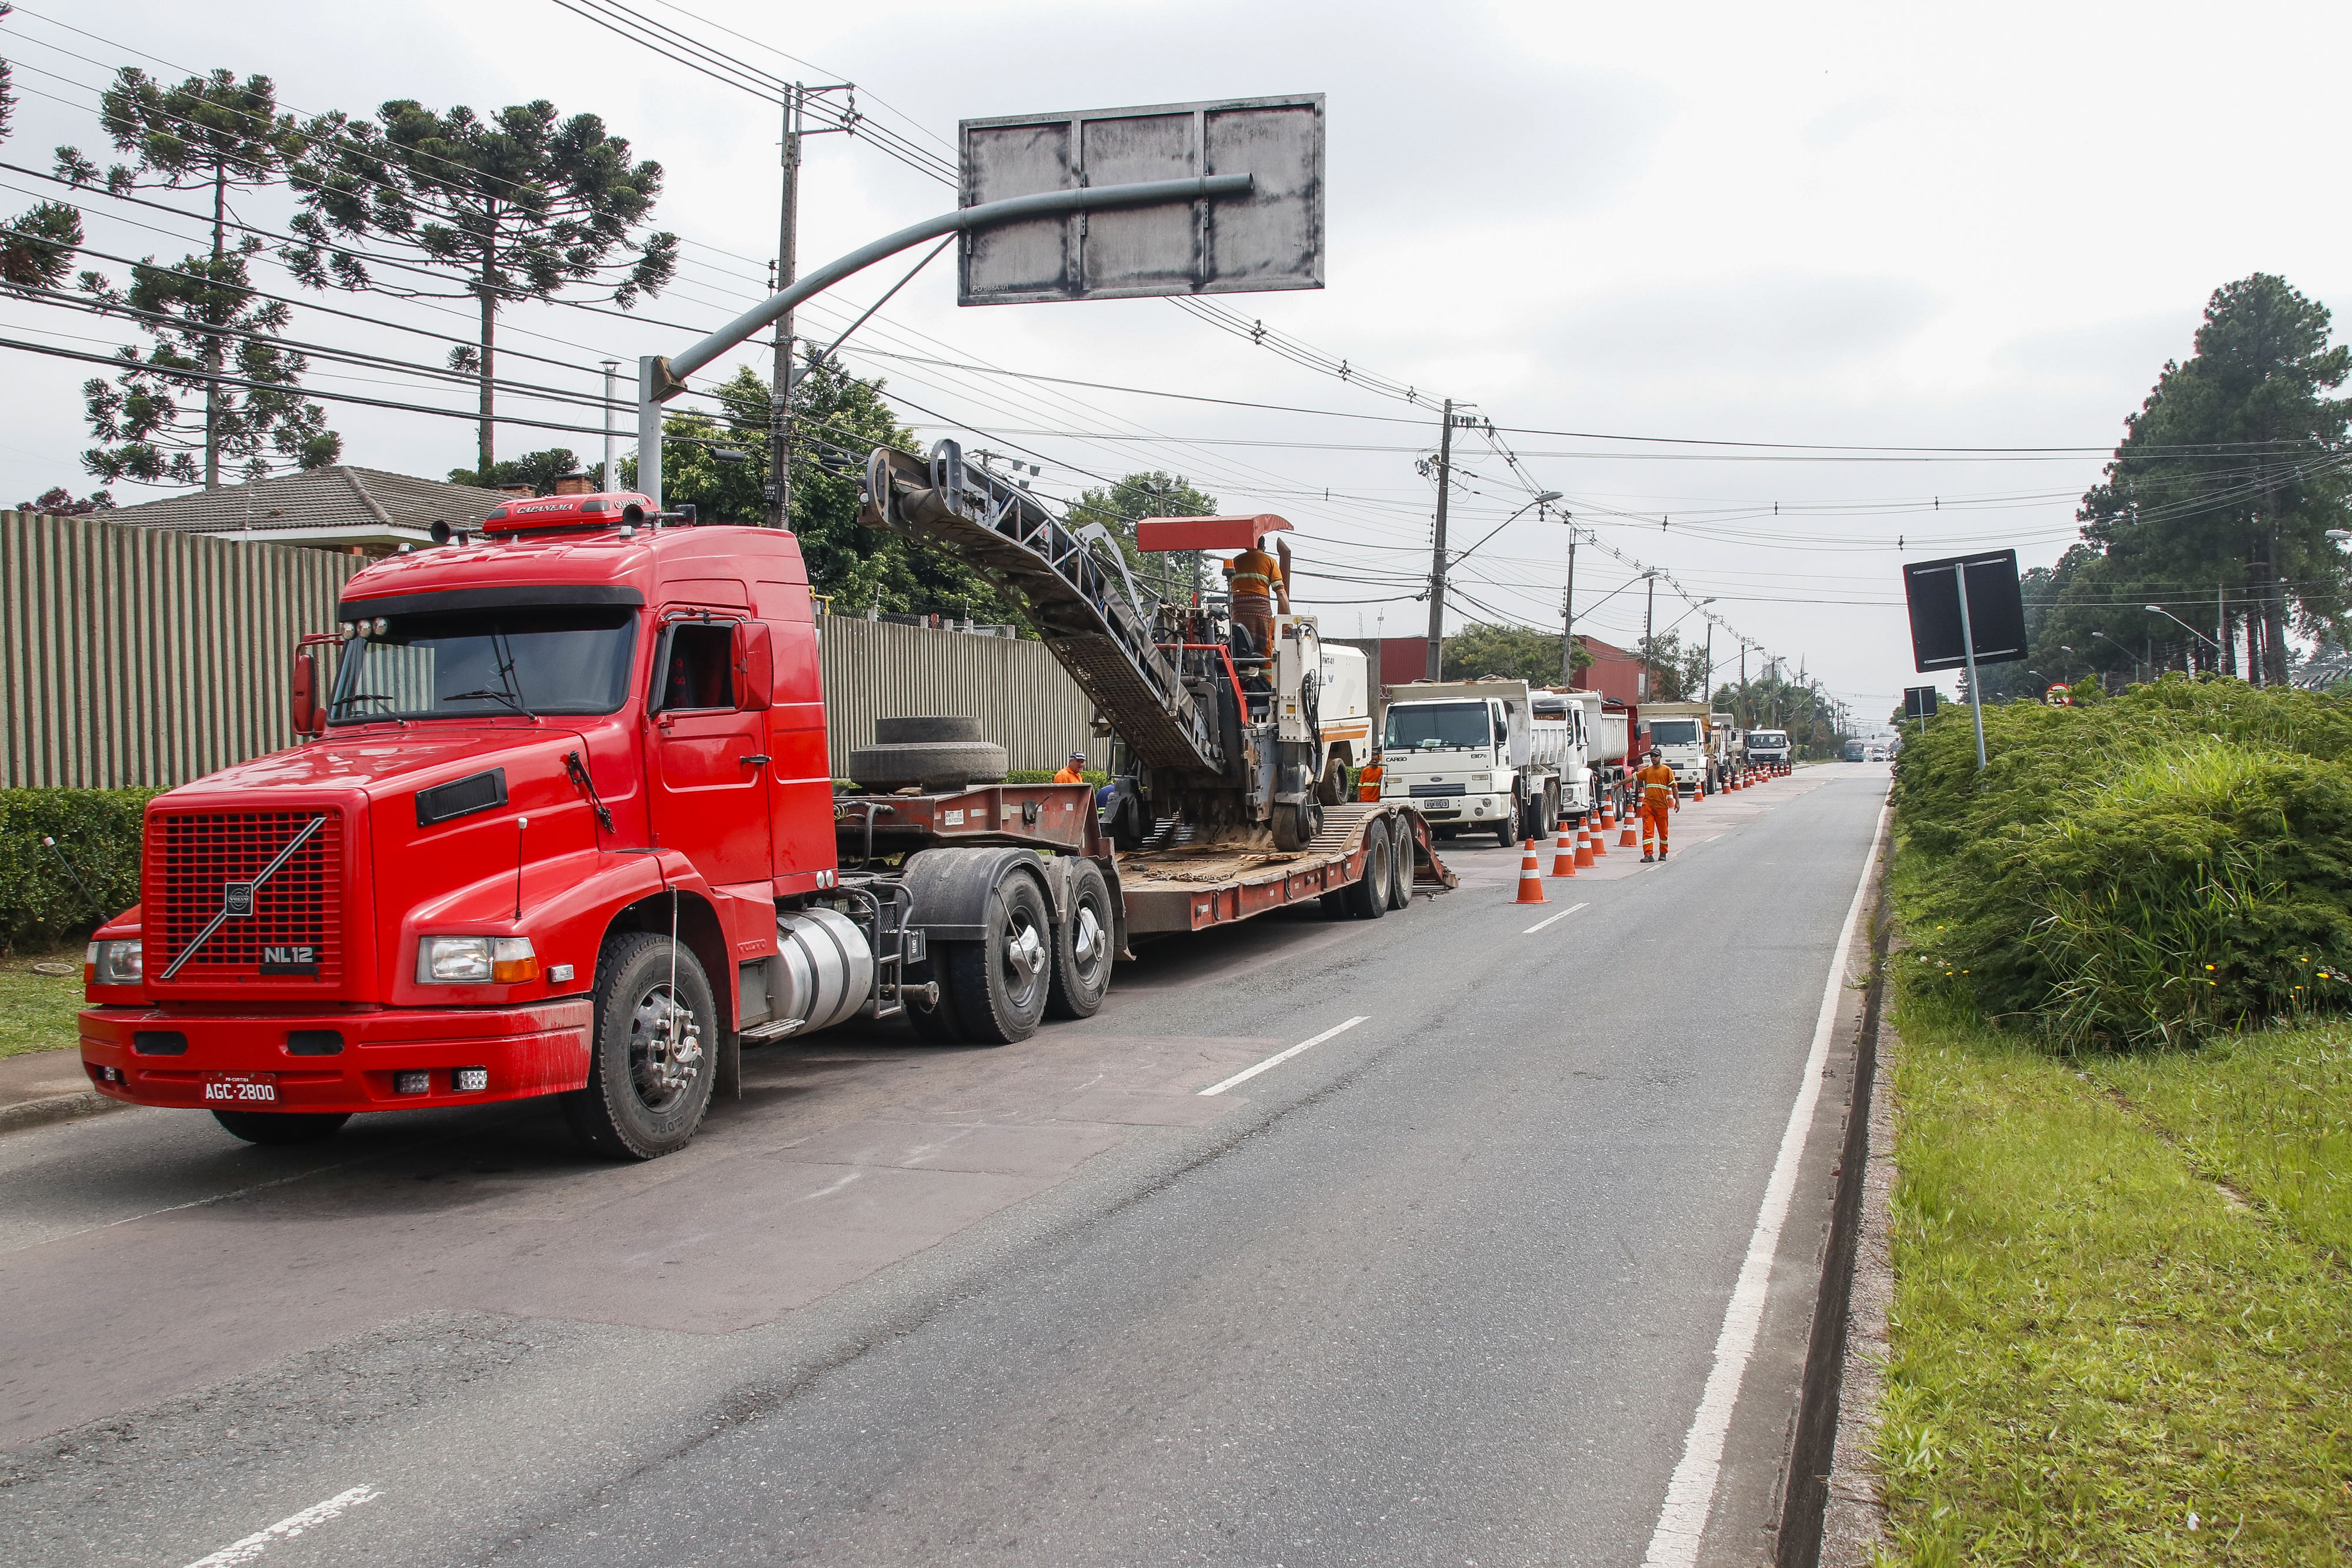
{"x": 1069, "y": 775}
{"x": 1657, "y": 786}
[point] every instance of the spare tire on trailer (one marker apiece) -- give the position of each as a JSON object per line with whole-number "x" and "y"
{"x": 936, "y": 766}
{"x": 924, "y": 730}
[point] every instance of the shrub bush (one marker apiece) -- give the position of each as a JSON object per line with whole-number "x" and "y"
{"x": 96, "y": 834}
{"x": 2140, "y": 869}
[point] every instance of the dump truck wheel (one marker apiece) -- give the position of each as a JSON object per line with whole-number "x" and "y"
{"x": 282, "y": 1127}
{"x": 1367, "y": 897}
{"x": 1400, "y": 865}
{"x": 1000, "y": 982}
{"x": 652, "y": 1052}
{"x": 1506, "y": 831}
{"x": 1082, "y": 948}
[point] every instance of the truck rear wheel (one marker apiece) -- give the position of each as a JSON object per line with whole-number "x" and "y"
{"x": 1367, "y": 897}
{"x": 282, "y": 1127}
{"x": 937, "y": 1023}
{"x": 649, "y": 1072}
{"x": 1000, "y": 983}
{"x": 1082, "y": 948}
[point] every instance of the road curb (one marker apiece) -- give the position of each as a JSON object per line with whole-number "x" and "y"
{"x": 1812, "y": 1452}
{"x": 52, "y": 1108}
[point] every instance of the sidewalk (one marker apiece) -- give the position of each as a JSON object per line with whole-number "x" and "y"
{"x": 44, "y": 1086}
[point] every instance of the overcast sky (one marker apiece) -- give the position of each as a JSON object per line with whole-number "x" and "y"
{"x": 1851, "y": 225}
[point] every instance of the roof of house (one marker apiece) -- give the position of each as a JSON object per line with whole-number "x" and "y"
{"x": 336, "y": 506}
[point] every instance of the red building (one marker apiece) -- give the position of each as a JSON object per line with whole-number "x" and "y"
{"x": 1615, "y": 673}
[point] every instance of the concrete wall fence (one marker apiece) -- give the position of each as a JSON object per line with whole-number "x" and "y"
{"x": 134, "y": 656}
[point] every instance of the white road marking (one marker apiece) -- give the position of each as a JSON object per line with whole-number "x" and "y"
{"x": 1690, "y": 1495}
{"x": 1279, "y": 1057}
{"x": 286, "y": 1529}
{"x": 1561, "y": 916}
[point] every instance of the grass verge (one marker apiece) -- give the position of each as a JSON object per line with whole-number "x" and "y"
{"x": 2098, "y": 1356}
{"x": 37, "y": 1010}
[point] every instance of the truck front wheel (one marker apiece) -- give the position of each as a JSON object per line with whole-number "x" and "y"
{"x": 281, "y": 1127}
{"x": 1082, "y": 948}
{"x": 1000, "y": 983}
{"x": 653, "y": 1050}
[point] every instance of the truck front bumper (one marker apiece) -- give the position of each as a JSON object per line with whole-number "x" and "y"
{"x": 1455, "y": 809}
{"x": 388, "y": 1059}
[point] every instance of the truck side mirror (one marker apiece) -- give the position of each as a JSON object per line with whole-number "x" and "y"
{"x": 754, "y": 666}
{"x": 307, "y": 717}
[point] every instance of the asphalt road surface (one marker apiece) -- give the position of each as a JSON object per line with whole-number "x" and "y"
{"x": 1447, "y": 1286}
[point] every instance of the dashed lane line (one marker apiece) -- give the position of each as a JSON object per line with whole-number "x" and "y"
{"x": 292, "y": 1525}
{"x": 1548, "y": 920}
{"x": 1279, "y": 1057}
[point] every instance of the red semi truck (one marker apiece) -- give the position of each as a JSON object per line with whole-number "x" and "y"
{"x": 564, "y": 825}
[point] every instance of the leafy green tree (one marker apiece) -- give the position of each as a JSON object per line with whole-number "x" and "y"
{"x": 1178, "y": 575}
{"x": 217, "y": 134}
{"x": 1514, "y": 652}
{"x": 837, "y": 420}
{"x": 1677, "y": 671}
{"x": 2233, "y": 469}
{"x": 520, "y": 205}
{"x": 540, "y": 470}
{"x": 37, "y": 245}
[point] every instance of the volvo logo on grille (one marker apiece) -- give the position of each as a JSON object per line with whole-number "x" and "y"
{"x": 236, "y": 899}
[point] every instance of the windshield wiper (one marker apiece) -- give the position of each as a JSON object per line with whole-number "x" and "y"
{"x": 506, "y": 697}
{"x": 362, "y": 697}
{"x": 507, "y": 672}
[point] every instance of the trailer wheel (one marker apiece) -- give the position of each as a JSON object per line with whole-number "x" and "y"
{"x": 1400, "y": 865}
{"x": 1367, "y": 897}
{"x": 649, "y": 1073}
{"x": 1000, "y": 982}
{"x": 1082, "y": 948}
{"x": 278, "y": 1128}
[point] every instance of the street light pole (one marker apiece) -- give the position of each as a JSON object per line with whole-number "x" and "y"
{"x": 1568, "y": 616}
{"x": 1433, "y": 667}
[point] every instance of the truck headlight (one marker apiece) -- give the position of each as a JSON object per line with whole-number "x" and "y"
{"x": 476, "y": 961}
{"x": 116, "y": 963}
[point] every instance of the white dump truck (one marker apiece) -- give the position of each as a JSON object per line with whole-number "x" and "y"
{"x": 1344, "y": 707}
{"x": 1768, "y": 747}
{"x": 1678, "y": 733}
{"x": 1594, "y": 757}
{"x": 1469, "y": 755}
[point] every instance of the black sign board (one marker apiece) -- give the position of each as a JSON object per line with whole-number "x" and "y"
{"x": 1996, "y": 611}
{"x": 1919, "y": 701}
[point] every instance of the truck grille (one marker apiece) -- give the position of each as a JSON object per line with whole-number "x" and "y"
{"x": 1436, "y": 791}
{"x": 295, "y": 932}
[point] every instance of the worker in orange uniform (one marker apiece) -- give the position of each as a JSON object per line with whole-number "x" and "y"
{"x": 1659, "y": 797}
{"x": 1255, "y": 582}
{"x": 1074, "y": 770}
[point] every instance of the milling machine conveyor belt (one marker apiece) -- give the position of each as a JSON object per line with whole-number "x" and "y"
{"x": 1081, "y": 599}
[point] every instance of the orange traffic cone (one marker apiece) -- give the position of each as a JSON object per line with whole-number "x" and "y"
{"x": 1585, "y": 834}
{"x": 1596, "y": 835}
{"x": 1563, "y": 859}
{"x": 1631, "y": 839}
{"x": 1531, "y": 879}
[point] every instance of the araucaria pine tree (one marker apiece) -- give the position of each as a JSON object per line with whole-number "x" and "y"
{"x": 517, "y": 206}
{"x": 212, "y": 336}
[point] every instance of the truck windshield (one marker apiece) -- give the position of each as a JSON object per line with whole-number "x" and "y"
{"x": 1768, "y": 738}
{"x": 558, "y": 659}
{"x": 1437, "y": 726}
{"x": 1674, "y": 732}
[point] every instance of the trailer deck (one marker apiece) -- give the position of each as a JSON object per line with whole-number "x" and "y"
{"x": 1190, "y": 887}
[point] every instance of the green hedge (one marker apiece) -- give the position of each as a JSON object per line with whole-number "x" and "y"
{"x": 96, "y": 833}
{"x": 2142, "y": 870}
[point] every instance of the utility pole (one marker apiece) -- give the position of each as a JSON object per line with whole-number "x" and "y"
{"x": 612, "y": 463}
{"x": 1568, "y": 616}
{"x": 780, "y": 394}
{"x": 1744, "y": 711}
{"x": 1706, "y": 684}
{"x": 1437, "y": 667}
{"x": 1649, "y": 620}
